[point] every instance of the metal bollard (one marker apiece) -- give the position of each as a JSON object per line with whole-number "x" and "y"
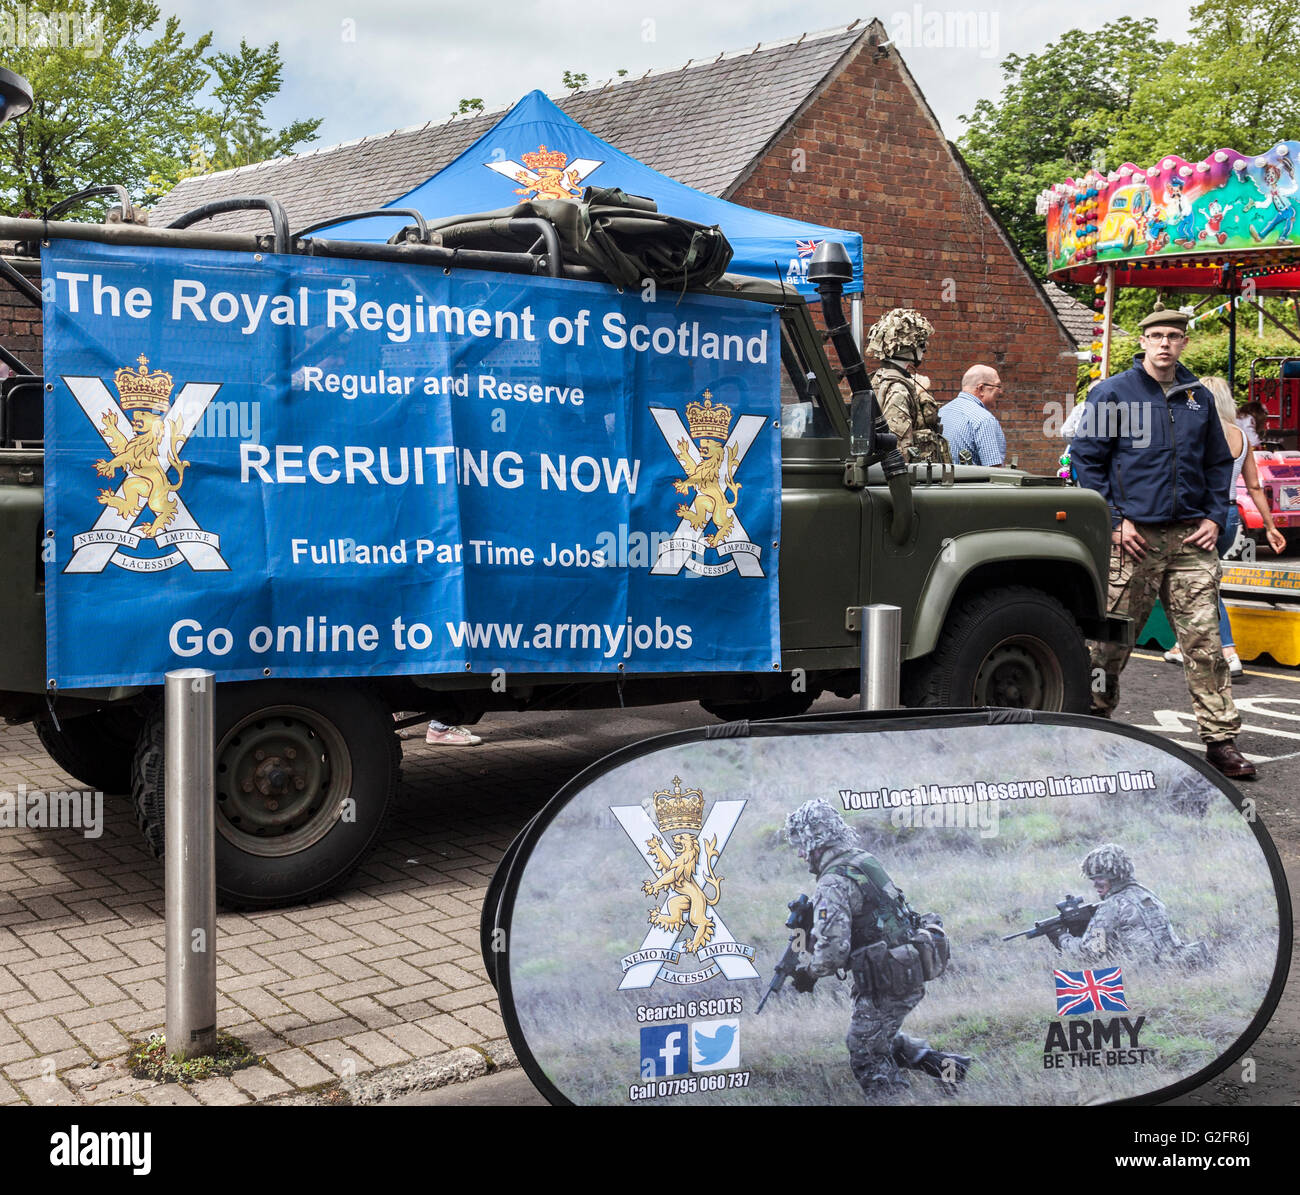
{"x": 881, "y": 640}
{"x": 190, "y": 868}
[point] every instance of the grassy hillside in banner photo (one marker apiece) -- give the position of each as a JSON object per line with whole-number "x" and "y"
{"x": 993, "y": 869}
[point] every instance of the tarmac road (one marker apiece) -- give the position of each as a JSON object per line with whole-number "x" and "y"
{"x": 1153, "y": 695}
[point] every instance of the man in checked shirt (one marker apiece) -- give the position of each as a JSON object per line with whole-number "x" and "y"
{"x": 969, "y": 425}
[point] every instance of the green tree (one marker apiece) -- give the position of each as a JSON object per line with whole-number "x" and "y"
{"x": 1057, "y": 112}
{"x": 234, "y": 128}
{"x": 119, "y": 99}
{"x": 1235, "y": 83}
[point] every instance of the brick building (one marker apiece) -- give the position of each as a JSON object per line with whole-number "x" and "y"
{"x": 830, "y": 128}
{"x": 20, "y": 322}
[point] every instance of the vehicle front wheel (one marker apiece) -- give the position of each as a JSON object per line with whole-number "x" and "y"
{"x": 304, "y": 777}
{"x": 1012, "y": 647}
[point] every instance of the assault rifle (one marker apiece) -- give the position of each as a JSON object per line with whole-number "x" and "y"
{"x": 800, "y": 921}
{"x": 1072, "y": 918}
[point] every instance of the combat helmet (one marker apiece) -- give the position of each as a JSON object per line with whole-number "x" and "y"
{"x": 815, "y": 825}
{"x": 898, "y": 331}
{"x": 1108, "y": 862}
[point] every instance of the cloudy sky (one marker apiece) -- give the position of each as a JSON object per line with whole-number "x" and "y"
{"x": 369, "y": 68}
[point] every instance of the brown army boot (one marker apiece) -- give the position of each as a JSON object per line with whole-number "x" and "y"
{"x": 1224, "y": 756}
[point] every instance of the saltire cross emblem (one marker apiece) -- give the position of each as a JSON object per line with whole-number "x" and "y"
{"x": 660, "y": 953}
{"x": 546, "y": 174}
{"x": 96, "y": 549}
{"x": 687, "y": 542}
{"x": 1079, "y": 992}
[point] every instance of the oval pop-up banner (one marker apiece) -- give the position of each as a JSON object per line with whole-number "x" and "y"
{"x": 979, "y": 908}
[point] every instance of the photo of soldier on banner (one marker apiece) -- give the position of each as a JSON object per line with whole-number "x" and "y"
{"x": 893, "y": 910}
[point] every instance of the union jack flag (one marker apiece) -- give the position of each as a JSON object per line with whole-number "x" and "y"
{"x": 806, "y": 248}
{"x": 1090, "y": 991}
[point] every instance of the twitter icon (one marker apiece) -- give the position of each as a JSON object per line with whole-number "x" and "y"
{"x": 715, "y": 1045}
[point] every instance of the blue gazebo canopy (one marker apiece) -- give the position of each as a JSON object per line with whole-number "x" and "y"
{"x": 536, "y": 151}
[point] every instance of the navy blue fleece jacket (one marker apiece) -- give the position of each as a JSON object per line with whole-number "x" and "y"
{"x": 1154, "y": 458}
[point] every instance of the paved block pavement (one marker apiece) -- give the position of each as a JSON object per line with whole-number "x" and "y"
{"x": 386, "y": 972}
{"x": 380, "y": 990}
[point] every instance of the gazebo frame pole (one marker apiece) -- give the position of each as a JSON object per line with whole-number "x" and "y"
{"x": 1231, "y": 279}
{"x": 1109, "y": 313}
{"x": 1265, "y": 315}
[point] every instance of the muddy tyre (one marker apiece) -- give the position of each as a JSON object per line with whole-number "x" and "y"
{"x": 304, "y": 778}
{"x": 1013, "y": 647}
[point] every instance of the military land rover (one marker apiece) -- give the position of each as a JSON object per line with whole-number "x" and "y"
{"x": 1000, "y": 575}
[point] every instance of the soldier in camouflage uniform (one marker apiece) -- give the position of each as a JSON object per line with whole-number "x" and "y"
{"x": 898, "y": 339}
{"x": 1131, "y": 921}
{"x": 856, "y": 905}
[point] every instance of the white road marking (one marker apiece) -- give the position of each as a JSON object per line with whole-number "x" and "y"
{"x": 1170, "y": 724}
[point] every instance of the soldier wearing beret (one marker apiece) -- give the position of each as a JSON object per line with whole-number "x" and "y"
{"x": 1155, "y": 450}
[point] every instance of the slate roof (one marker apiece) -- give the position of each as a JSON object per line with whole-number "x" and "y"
{"x": 704, "y": 124}
{"x": 1076, "y": 316}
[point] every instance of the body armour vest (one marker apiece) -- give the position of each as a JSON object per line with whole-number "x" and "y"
{"x": 884, "y": 913}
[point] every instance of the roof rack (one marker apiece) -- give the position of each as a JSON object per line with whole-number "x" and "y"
{"x": 608, "y": 237}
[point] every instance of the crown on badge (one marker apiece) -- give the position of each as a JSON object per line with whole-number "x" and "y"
{"x": 545, "y": 159}
{"x": 678, "y": 810}
{"x": 707, "y": 422}
{"x": 142, "y": 390}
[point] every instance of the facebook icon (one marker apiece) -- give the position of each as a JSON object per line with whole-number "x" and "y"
{"x": 664, "y": 1051}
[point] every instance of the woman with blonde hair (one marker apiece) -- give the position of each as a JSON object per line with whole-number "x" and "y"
{"x": 1243, "y": 466}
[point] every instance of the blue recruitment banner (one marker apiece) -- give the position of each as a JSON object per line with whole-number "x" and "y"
{"x": 288, "y": 466}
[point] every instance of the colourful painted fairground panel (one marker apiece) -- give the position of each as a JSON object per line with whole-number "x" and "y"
{"x": 1228, "y": 202}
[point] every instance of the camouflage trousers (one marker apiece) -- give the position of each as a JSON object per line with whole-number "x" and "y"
{"x": 873, "y": 1030}
{"x": 1186, "y": 580}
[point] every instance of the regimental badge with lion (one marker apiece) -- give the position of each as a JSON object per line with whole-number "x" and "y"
{"x": 682, "y": 848}
{"x": 546, "y": 177}
{"x": 546, "y": 174}
{"x": 680, "y": 816}
{"x": 713, "y": 475}
{"x": 149, "y": 455}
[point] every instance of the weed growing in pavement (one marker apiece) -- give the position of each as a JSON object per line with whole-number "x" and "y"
{"x": 150, "y": 1060}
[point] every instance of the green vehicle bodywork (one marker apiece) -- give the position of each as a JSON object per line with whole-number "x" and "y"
{"x": 999, "y": 579}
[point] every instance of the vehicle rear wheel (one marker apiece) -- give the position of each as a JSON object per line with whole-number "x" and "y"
{"x": 97, "y": 748}
{"x": 304, "y": 777}
{"x": 1012, "y": 647}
